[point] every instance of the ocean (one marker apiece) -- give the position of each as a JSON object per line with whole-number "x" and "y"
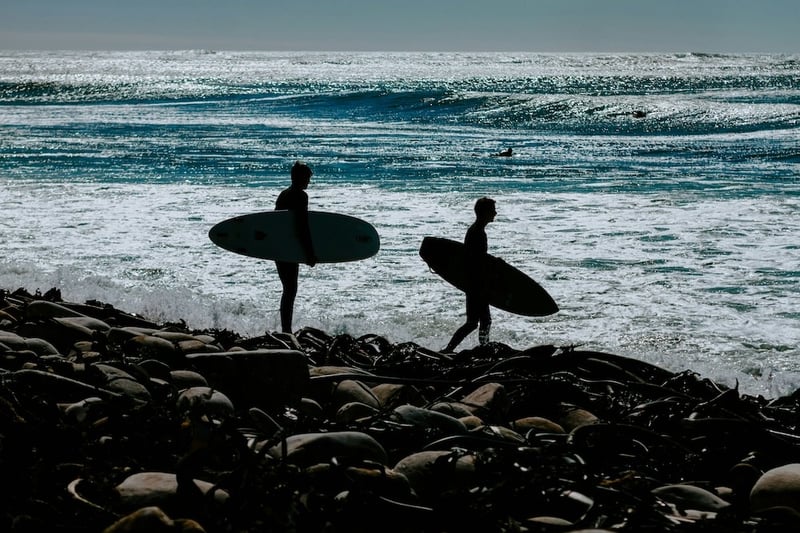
{"x": 655, "y": 196}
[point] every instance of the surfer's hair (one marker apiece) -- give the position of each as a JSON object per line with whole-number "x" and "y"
{"x": 484, "y": 205}
{"x": 301, "y": 171}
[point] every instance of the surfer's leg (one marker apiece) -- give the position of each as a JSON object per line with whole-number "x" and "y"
{"x": 485, "y": 327}
{"x": 469, "y": 326}
{"x": 288, "y": 273}
{"x": 287, "y": 310}
{"x": 460, "y": 334}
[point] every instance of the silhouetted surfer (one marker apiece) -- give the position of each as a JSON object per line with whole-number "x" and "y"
{"x": 295, "y": 199}
{"x": 476, "y": 248}
{"x": 504, "y": 153}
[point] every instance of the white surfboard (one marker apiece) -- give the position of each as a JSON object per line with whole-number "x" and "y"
{"x": 272, "y": 235}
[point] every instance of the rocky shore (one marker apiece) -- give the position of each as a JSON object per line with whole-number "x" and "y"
{"x": 110, "y": 422}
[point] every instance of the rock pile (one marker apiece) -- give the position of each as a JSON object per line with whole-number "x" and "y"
{"x": 109, "y": 422}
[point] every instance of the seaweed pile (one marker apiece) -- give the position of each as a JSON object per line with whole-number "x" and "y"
{"x": 110, "y": 422}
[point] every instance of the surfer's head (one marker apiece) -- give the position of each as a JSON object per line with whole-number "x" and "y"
{"x": 485, "y": 209}
{"x": 301, "y": 174}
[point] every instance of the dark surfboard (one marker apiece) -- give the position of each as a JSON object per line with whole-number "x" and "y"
{"x": 510, "y": 289}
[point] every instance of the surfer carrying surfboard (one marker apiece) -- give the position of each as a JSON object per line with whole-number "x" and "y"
{"x": 295, "y": 199}
{"x": 476, "y": 247}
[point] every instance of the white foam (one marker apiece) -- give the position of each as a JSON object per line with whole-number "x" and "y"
{"x": 633, "y": 275}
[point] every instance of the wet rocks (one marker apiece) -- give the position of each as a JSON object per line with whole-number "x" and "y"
{"x": 111, "y": 422}
{"x": 778, "y": 487}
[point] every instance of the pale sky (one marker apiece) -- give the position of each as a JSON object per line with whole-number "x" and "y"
{"x": 713, "y": 26}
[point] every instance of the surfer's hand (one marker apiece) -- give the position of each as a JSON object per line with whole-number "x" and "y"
{"x": 312, "y": 260}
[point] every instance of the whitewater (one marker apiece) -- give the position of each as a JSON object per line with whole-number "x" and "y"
{"x": 656, "y": 197}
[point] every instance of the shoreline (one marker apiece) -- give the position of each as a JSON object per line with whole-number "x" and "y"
{"x": 108, "y": 417}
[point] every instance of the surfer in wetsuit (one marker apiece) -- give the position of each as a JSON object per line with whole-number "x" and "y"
{"x": 295, "y": 198}
{"x": 476, "y": 248}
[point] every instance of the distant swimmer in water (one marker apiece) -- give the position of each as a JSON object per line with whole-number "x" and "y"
{"x": 504, "y": 153}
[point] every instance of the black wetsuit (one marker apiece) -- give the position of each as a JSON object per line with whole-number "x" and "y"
{"x": 476, "y": 248}
{"x": 293, "y": 199}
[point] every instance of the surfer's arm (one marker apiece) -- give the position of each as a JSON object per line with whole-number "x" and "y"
{"x": 304, "y": 234}
{"x": 477, "y": 261}
{"x": 482, "y": 274}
